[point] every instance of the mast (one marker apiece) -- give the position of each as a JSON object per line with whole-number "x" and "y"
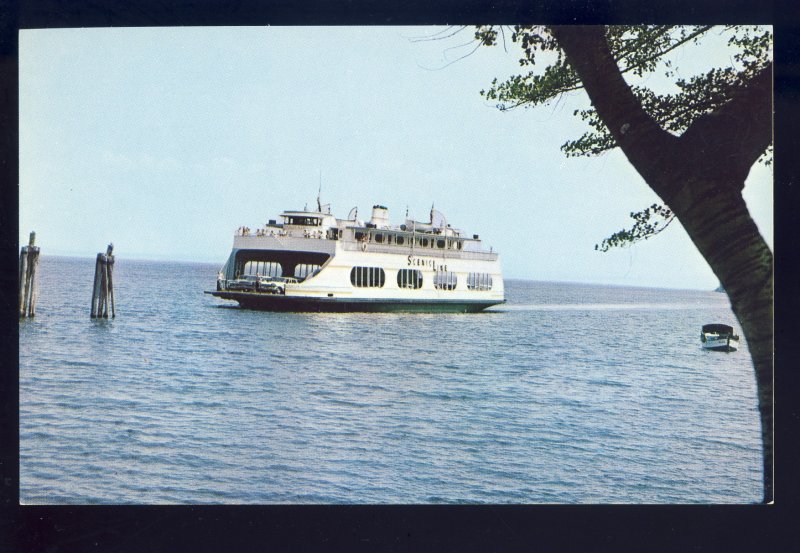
{"x": 413, "y": 236}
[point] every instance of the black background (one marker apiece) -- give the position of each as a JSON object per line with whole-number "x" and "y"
{"x": 424, "y": 527}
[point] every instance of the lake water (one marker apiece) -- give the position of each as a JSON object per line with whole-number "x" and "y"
{"x": 569, "y": 393}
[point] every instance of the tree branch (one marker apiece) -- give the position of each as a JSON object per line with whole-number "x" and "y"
{"x": 739, "y": 131}
{"x": 577, "y": 85}
{"x": 647, "y": 146}
{"x": 661, "y": 53}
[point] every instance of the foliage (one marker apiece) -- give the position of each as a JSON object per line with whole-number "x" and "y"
{"x": 645, "y": 226}
{"x": 640, "y": 51}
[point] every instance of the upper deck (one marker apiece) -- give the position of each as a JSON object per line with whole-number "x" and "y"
{"x": 320, "y": 231}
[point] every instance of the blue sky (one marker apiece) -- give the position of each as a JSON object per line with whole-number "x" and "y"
{"x": 165, "y": 140}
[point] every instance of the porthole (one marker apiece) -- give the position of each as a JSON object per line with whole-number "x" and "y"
{"x": 367, "y": 277}
{"x": 479, "y": 281}
{"x": 445, "y": 280}
{"x": 409, "y": 278}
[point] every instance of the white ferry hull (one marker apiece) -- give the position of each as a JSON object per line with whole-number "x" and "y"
{"x": 278, "y": 302}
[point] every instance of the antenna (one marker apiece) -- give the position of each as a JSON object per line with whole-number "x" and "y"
{"x": 319, "y": 192}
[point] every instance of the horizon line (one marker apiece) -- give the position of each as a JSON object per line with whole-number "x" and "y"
{"x": 506, "y": 279}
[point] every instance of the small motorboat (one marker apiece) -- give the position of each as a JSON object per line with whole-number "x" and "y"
{"x": 719, "y": 337}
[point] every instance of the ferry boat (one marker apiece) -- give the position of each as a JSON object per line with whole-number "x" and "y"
{"x": 312, "y": 261}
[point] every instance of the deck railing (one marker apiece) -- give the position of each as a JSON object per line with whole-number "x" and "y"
{"x": 351, "y": 246}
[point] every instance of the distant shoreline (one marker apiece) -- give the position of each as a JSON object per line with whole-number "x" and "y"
{"x": 515, "y": 279}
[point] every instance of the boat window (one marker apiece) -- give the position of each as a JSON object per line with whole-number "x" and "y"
{"x": 409, "y": 278}
{"x": 360, "y": 235}
{"x": 303, "y": 270}
{"x": 379, "y": 238}
{"x": 445, "y": 280}
{"x": 479, "y": 281}
{"x": 367, "y": 277}
{"x": 424, "y": 243}
{"x": 305, "y": 221}
{"x": 440, "y": 243}
{"x": 262, "y": 268}
{"x": 400, "y": 240}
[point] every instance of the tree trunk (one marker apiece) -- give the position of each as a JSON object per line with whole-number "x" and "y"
{"x": 703, "y": 189}
{"x": 718, "y": 222}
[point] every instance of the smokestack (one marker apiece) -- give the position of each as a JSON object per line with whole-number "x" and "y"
{"x": 380, "y": 216}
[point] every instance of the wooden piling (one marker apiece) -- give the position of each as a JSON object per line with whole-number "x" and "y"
{"x": 33, "y": 288}
{"x": 96, "y": 288}
{"x": 28, "y": 263}
{"x": 23, "y": 280}
{"x": 110, "y": 280}
{"x": 103, "y": 310}
{"x": 103, "y": 291}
